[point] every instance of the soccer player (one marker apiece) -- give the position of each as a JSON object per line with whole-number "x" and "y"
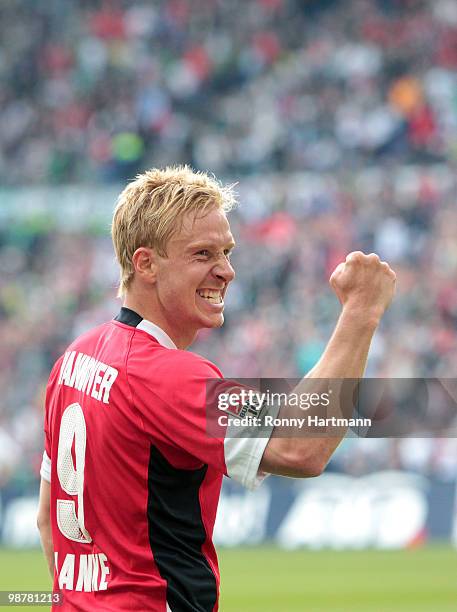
{"x": 130, "y": 477}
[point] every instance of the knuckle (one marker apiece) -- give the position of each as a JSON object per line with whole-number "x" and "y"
{"x": 336, "y": 272}
{"x": 355, "y": 257}
{"x": 333, "y": 280}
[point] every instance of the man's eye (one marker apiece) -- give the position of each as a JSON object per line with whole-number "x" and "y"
{"x": 204, "y": 253}
{"x": 228, "y": 253}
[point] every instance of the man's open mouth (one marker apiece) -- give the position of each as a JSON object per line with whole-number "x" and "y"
{"x": 212, "y": 295}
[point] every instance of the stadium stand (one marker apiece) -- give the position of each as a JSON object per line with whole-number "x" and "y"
{"x": 340, "y": 126}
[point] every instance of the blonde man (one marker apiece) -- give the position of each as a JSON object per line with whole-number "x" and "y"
{"x": 130, "y": 477}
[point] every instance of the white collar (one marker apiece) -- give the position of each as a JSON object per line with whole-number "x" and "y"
{"x": 158, "y": 333}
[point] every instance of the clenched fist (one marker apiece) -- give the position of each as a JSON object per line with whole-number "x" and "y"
{"x": 364, "y": 283}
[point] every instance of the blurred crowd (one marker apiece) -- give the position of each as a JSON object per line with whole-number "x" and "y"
{"x": 337, "y": 119}
{"x": 96, "y": 90}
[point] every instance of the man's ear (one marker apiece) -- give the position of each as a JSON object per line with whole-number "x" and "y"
{"x": 144, "y": 261}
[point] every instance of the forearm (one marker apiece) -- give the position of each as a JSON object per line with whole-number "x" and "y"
{"x": 345, "y": 357}
{"x": 47, "y": 546}
{"x": 346, "y": 353}
{"x": 44, "y": 524}
{"x": 304, "y": 453}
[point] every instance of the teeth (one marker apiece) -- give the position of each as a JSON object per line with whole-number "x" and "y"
{"x": 212, "y": 296}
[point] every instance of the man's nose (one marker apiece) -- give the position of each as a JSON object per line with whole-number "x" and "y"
{"x": 224, "y": 270}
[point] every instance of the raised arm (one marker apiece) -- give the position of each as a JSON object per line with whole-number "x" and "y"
{"x": 365, "y": 287}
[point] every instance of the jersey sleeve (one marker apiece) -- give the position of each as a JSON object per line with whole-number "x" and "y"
{"x": 45, "y": 470}
{"x": 173, "y": 404}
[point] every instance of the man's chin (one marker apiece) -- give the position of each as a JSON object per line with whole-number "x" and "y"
{"x": 213, "y": 322}
{"x": 221, "y": 320}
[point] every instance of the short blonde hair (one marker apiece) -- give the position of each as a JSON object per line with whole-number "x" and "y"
{"x": 149, "y": 211}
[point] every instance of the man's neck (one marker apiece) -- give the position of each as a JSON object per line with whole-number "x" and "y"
{"x": 148, "y": 312}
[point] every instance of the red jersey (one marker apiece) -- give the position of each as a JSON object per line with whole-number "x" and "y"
{"x": 135, "y": 478}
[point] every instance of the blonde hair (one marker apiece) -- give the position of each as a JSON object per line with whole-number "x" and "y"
{"x": 150, "y": 209}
